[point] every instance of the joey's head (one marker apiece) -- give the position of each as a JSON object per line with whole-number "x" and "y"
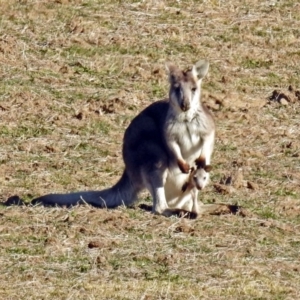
{"x": 185, "y": 86}
{"x": 201, "y": 177}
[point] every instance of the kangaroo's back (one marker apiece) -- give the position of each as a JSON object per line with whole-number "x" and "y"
{"x": 144, "y": 138}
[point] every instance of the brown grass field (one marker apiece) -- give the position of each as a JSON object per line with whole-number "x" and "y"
{"x": 73, "y": 74}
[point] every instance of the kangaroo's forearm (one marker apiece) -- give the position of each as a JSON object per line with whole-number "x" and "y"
{"x": 182, "y": 164}
{"x": 206, "y": 151}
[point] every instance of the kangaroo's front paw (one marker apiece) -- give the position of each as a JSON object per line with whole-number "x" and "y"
{"x": 183, "y": 166}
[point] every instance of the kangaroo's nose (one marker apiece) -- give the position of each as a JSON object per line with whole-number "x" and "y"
{"x": 185, "y": 105}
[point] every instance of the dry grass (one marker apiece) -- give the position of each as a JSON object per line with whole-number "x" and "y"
{"x": 73, "y": 74}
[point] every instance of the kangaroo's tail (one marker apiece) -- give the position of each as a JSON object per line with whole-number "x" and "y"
{"x": 122, "y": 193}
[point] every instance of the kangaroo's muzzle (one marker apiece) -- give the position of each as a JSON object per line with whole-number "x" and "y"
{"x": 185, "y": 105}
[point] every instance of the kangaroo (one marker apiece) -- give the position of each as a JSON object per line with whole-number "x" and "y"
{"x": 167, "y": 136}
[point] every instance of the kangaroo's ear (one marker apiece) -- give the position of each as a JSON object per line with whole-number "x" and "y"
{"x": 208, "y": 168}
{"x": 172, "y": 72}
{"x": 200, "y": 69}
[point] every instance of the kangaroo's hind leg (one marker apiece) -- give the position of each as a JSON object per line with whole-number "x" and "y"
{"x": 154, "y": 180}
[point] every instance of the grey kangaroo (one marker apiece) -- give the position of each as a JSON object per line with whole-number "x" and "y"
{"x": 167, "y": 137}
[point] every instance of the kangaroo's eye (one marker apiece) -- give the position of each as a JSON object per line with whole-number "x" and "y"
{"x": 194, "y": 89}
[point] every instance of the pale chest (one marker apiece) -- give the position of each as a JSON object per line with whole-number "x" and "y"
{"x": 189, "y": 137}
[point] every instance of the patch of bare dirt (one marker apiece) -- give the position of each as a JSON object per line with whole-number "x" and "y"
{"x": 284, "y": 97}
{"x": 115, "y": 105}
{"x": 233, "y": 102}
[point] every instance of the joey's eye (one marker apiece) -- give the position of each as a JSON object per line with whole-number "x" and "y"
{"x": 194, "y": 89}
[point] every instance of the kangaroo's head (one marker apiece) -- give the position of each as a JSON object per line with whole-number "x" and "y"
{"x": 185, "y": 86}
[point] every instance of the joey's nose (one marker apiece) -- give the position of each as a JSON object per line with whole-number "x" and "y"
{"x": 199, "y": 187}
{"x": 198, "y": 184}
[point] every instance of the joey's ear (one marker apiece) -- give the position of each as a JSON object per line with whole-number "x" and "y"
{"x": 208, "y": 168}
{"x": 200, "y": 69}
